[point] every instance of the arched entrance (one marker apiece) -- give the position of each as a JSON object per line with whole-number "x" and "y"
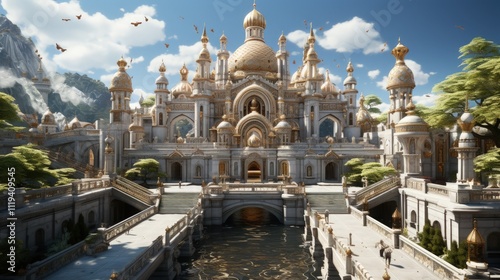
{"x": 331, "y": 172}
{"x": 254, "y": 172}
{"x": 176, "y": 171}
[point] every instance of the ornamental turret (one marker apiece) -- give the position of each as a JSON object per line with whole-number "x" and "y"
{"x": 466, "y": 149}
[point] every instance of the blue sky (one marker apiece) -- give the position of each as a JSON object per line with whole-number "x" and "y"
{"x": 346, "y": 30}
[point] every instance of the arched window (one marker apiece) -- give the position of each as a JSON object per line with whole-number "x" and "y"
{"x": 309, "y": 171}
{"x": 160, "y": 119}
{"x": 91, "y": 157}
{"x": 222, "y": 168}
{"x": 413, "y": 219}
{"x": 271, "y": 168}
{"x": 436, "y": 225}
{"x": 351, "y": 119}
{"x": 198, "y": 171}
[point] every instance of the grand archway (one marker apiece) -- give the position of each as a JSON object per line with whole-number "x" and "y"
{"x": 254, "y": 173}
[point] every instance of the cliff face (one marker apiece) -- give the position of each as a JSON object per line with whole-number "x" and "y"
{"x": 69, "y": 93}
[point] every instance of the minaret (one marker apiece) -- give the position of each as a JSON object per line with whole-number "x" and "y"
{"x": 222, "y": 70}
{"x": 254, "y": 25}
{"x": 350, "y": 95}
{"x": 202, "y": 76}
{"x": 42, "y": 83}
{"x": 466, "y": 147}
{"x": 400, "y": 83}
{"x": 120, "y": 113}
{"x": 160, "y": 109}
{"x": 311, "y": 75}
{"x": 282, "y": 59}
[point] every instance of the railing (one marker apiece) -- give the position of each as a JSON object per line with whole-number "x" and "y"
{"x": 377, "y": 188}
{"x": 437, "y": 189}
{"x": 45, "y": 193}
{"x": 141, "y": 261}
{"x": 253, "y": 187}
{"x": 437, "y": 265}
{"x": 41, "y": 269}
{"x": 484, "y": 195}
{"x": 379, "y": 227}
{"x": 135, "y": 190}
{"x": 359, "y": 272}
{"x": 119, "y": 228}
{"x": 416, "y": 184}
{"x": 175, "y": 229}
{"x": 356, "y": 212}
{"x": 70, "y": 133}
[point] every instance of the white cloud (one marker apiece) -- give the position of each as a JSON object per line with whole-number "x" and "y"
{"x": 373, "y": 73}
{"x": 359, "y": 65}
{"x": 353, "y": 35}
{"x": 94, "y": 42}
{"x": 136, "y": 95}
{"x": 298, "y": 37}
{"x": 427, "y": 100}
{"x": 382, "y": 83}
{"x": 7, "y": 78}
{"x": 67, "y": 93}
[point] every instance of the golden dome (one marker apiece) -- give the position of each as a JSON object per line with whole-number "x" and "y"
{"x": 253, "y": 55}
{"x": 254, "y": 18}
{"x": 475, "y": 237}
{"x": 121, "y": 81}
{"x": 254, "y": 140}
{"x": 162, "y": 67}
{"x": 183, "y": 85}
{"x": 74, "y": 123}
{"x": 400, "y": 75}
{"x": 48, "y": 118}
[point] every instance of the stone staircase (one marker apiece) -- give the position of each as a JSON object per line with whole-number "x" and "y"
{"x": 177, "y": 203}
{"x": 334, "y": 202}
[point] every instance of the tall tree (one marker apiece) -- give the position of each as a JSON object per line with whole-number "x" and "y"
{"x": 32, "y": 168}
{"x": 8, "y": 112}
{"x": 478, "y": 83}
{"x": 371, "y": 103}
{"x": 373, "y": 171}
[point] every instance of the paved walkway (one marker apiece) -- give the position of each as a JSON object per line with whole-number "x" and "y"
{"x": 121, "y": 252}
{"x": 402, "y": 267}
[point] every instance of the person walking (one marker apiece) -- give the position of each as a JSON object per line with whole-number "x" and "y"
{"x": 387, "y": 255}
{"x": 381, "y": 246}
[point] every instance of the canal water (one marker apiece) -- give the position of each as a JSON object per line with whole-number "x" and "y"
{"x": 252, "y": 244}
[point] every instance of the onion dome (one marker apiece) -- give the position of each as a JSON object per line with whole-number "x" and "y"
{"x": 254, "y": 18}
{"x": 282, "y": 38}
{"x": 328, "y": 87}
{"x": 121, "y": 81}
{"x": 474, "y": 236}
{"x": 162, "y": 79}
{"x": 350, "y": 78}
{"x": 75, "y": 123}
{"x": 253, "y": 55}
{"x": 400, "y": 75}
{"x": 183, "y": 86}
{"x": 466, "y": 121}
{"x": 411, "y": 122}
{"x": 283, "y": 124}
{"x": 475, "y": 243}
{"x": 363, "y": 117}
{"x": 180, "y": 140}
{"x": 224, "y": 124}
{"x": 48, "y": 118}
{"x": 254, "y": 140}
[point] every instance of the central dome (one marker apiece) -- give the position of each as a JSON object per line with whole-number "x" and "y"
{"x": 254, "y": 18}
{"x": 253, "y": 55}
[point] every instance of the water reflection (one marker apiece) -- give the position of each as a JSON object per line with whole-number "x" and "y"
{"x": 251, "y": 245}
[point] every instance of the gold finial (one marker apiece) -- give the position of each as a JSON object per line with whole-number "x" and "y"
{"x": 386, "y": 275}
{"x": 399, "y": 52}
{"x": 204, "y": 37}
{"x": 254, "y": 4}
{"x": 162, "y": 68}
{"x": 121, "y": 63}
{"x": 349, "y": 68}
{"x": 311, "y": 38}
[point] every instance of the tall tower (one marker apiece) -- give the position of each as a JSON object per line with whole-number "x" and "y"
{"x": 282, "y": 58}
{"x": 42, "y": 83}
{"x": 160, "y": 109}
{"x": 351, "y": 129}
{"x": 466, "y": 147}
{"x": 202, "y": 89}
{"x": 222, "y": 70}
{"x": 312, "y": 92}
{"x": 400, "y": 84}
{"x": 120, "y": 115}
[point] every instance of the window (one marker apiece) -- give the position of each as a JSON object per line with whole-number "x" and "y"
{"x": 284, "y": 168}
{"x": 309, "y": 171}
{"x": 413, "y": 219}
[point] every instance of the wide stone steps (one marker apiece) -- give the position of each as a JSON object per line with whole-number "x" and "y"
{"x": 177, "y": 203}
{"x": 334, "y": 202}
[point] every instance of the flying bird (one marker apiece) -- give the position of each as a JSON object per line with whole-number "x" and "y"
{"x": 427, "y": 95}
{"x": 305, "y": 22}
{"x": 460, "y": 27}
{"x": 195, "y": 28}
{"x": 367, "y": 30}
{"x": 36, "y": 51}
{"x": 79, "y": 16}
{"x": 382, "y": 50}
{"x": 321, "y": 28}
{"x": 58, "y": 47}
{"x": 212, "y": 30}
{"x": 293, "y": 61}
{"x": 146, "y": 19}
{"x": 136, "y": 23}
{"x": 66, "y": 19}
{"x": 181, "y": 17}
{"x": 167, "y": 45}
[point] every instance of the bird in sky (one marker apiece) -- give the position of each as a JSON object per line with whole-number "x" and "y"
{"x": 195, "y": 28}
{"x": 79, "y": 16}
{"x": 427, "y": 95}
{"x": 136, "y": 23}
{"x": 58, "y": 47}
{"x": 293, "y": 61}
{"x": 66, "y": 19}
{"x": 181, "y": 17}
{"x": 146, "y": 19}
{"x": 460, "y": 27}
{"x": 212, "y": 30}
{"x": 321, "y": 28}
{"x": 305, "y": 22}
{"x": 167, "y": 45}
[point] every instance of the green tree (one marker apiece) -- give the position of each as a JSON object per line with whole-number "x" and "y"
{"x": 32, "y": 168}
{"x": 426, "y": 236}
{"x": 457, "y": 256}
{"x": 8, "y": 112}
{"x": 373, "y": 171}
{"x": 148, "y": 101}
{"x": 79, "y": 231}
{"x": 478, "y": 83}
{"x": 371, "y": 103}
{"x": 488, "y": 162}
{"x": 145, "y": 169}
{"x": 438, "y": 245}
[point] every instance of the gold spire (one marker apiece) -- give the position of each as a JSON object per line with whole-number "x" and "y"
{"x": 121, "y": 63}
{"x": 162, "y": 68}
{"x": 204, "y": 37}
{"x": 475, "y": 237}
{"x": 350, "y": 68}
{"x": 400, "y": 51}
{"x": 312, "y": 38}
{"x": 184, "y": 72}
